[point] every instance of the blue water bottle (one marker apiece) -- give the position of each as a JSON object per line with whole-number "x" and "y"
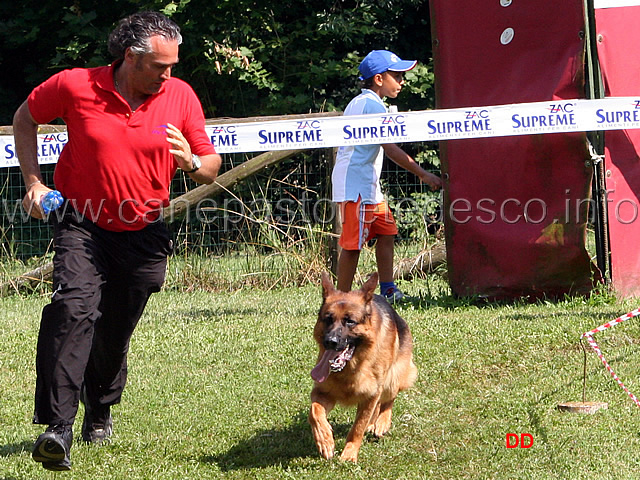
{"x": 51, "y": 201}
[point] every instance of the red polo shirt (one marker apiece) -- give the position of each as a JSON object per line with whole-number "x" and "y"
{"x": 116, "y": 167}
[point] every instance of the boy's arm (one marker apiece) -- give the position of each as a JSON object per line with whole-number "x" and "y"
{"x": 399, "y": 156}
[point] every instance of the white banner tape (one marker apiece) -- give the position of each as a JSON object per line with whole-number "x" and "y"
{"x": 615, "y": 3}
{"x": 561, "y": 116}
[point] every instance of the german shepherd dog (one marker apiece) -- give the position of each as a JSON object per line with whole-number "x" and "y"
{"x": 365, "y": 359}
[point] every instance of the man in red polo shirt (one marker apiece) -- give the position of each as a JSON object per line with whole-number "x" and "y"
{"x": 130, "y": 125}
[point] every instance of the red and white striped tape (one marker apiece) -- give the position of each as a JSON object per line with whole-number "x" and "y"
{"x": 589, "y": 337}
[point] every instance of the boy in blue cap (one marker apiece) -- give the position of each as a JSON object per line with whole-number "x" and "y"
{"x": 356, "y": 177}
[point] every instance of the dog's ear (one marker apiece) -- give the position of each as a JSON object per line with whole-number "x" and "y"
{"x": 327, "y": 285}
{"x": 369, "y": 286}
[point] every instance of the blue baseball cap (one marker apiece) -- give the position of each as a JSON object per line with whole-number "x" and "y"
{"x": 379, "y": 61}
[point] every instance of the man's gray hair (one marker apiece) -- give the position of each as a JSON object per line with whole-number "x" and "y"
{"x": 136, "y": 30}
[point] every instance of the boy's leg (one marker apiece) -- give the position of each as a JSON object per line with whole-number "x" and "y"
{"x": 352, "y": 216}
{"x": 385, "y": 230}
{"x": 347, "y": 265}
{"x": 384, "y": 257}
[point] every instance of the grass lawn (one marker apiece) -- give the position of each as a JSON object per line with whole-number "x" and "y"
{"x": 219, "y": 388}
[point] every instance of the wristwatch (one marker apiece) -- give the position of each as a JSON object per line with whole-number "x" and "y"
{"x": 195, "y": 161}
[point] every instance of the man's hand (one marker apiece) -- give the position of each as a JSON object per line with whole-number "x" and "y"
{"x": 181, "y": 149}
{"x": 31, "y": 201}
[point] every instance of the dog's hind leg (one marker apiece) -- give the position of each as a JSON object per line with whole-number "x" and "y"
{"x": 321, "y": 405}
{"x": 365, "y": 412}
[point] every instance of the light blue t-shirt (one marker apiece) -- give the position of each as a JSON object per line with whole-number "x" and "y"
{"x": 356, "y": 172}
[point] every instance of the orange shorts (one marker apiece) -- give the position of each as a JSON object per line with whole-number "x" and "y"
{"x": 362, "y": 222}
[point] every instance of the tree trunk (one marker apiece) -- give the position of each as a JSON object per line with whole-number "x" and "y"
{"x": 425, "y": 262}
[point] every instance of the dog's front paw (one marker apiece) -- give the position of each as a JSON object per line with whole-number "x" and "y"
{"x": 350, "y": 453}
{"x": 326, "y": 450}
{"x": 324, "y": 442}
{"x": 321, "y": 429}
{"x": 323, "y": 435}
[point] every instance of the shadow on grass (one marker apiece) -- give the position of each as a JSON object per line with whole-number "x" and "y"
{"x": 273, "y": 447}
{"x": 15, "y": 448}
{"x": 215, "y": 315}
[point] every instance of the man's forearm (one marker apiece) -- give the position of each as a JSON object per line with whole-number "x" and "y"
{"x": 25, "y": 131}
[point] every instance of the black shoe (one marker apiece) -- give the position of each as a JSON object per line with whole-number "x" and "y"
{"x": 97, "y": 425}
{"x": 52, "y": 448}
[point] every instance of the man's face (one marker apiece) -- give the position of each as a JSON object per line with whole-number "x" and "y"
{"x": 153, "y": 69}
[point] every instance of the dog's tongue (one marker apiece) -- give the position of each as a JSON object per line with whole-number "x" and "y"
{"x": 321, "y": 371}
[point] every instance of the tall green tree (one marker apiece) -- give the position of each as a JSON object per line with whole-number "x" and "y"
{"x": 243, "y": 57}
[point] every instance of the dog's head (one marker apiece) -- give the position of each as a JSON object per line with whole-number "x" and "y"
{"x": 343, "y": 325}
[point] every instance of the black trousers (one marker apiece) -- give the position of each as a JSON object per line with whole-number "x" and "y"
{"x": 102, "y": 281}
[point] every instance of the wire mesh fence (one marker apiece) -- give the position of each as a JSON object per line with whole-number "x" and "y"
{"x": 280, "y": 207}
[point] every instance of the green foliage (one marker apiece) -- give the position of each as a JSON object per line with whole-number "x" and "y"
{"x": 418, "y": 215}
{"x": 419, "y": 83}
{"x": 244, "y": 58}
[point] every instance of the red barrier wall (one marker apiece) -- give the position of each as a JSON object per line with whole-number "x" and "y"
{"x": 618, "y": 37}
{"x": 516, "y": 207}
